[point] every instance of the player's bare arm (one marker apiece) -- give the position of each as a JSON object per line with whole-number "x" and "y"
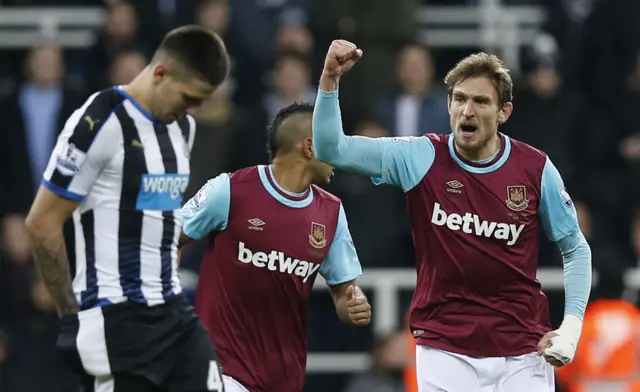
{"x": 45, "y": 223}
{"x": 351, "y": 304}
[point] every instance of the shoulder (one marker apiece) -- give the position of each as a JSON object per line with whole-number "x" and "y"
{"x": 436, "y": 138}
{"x": 528, "y": 155}
{"x": 94, "y": 113}
{"x": 103, "y": 103}
{"x": 527, "y": 150}
{"x": 245, "y": 174}
{"x": 325, "y": 196}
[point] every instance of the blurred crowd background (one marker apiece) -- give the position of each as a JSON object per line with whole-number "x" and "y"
{"x": 576, "y": 65}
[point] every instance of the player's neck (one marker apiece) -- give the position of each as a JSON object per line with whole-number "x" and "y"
{"x": 291, "y": 177}
{"x": 487, "y": 151}
{"x": 136, "y": 89}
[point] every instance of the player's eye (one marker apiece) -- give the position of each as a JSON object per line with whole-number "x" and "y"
{"x": 192, "y": 101}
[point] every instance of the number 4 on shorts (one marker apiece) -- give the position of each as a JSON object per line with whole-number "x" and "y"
{"x": 214, "y": 379}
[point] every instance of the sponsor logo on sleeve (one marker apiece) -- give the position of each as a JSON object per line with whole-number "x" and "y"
{"x": 566, "y": 199}
{"x": 404, "y": 139}
{"x": 200, "y": 198}
{"x": 69, "y": 160}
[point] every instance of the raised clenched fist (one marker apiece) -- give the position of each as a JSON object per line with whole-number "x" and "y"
{"x": 342, "y": 55}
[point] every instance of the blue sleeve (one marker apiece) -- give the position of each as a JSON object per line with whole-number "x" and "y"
{"x": 400, "y": 161}
{"x": 576, "y": 257}
{"x": 208, "y": 210}
{"x": 556, "y": 210}
{"x": 560, "y": 221}
{"x": 342, "y": 264}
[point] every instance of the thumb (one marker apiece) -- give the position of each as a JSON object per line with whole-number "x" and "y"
{"x": 351, "y": 292}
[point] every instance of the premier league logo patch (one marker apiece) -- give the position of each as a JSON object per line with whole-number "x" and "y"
{"x": 566, "y": 199}
{"x": 517, "y": 198}
{"x": 318, "y": 238}
{"x": 69, "y": 160}
{"x": 200, "y": 198}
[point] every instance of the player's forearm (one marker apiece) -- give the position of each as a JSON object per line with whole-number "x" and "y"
{"x": 329, "y": 83}
{"x": 362, "y": 155}
{"x": 51, "y": 258}
{"x": 576, "y": 256}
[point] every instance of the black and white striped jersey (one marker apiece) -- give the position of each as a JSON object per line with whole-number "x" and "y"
{"x": 129, "y": 174}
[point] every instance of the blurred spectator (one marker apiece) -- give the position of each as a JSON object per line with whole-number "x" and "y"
{"x": 33, "y": 116}
{"x": 547, "y": 114}
{"x": 555, "y": 119}
{"x": 252, "y": 40}
{"x": 579, "y": 108}
{"x": 607, "y": 358}
{"x": 292, "y": 83}
{"x": 629, "y": 127}
{"x": 119, "y": 32}
{"x": 421, "y": 105}
{"x": 50, "y": 3}
{"x": 214, "y": 15}
{"x": 380, "y": 28}
{"x": 295, "y": 38}
{"x": 125, "y": 67}
{"x": 385, "y": 375}
{"x": 611, "y": 42}
{"x": 32, "y": 350}
{"x": 228, "y": 138}
{"x": 566, "y": 23}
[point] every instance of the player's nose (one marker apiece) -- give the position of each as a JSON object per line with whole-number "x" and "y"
{"x": 469, "y": 110}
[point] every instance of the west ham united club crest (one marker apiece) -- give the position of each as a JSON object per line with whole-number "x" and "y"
{"x": 517, "y": 198}
{"x": 318, "y": 238}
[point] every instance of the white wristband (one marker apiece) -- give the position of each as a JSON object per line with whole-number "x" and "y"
{"x": 571, "y": 327}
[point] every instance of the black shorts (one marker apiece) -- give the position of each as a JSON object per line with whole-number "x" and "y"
{"x": 132, "y": 347}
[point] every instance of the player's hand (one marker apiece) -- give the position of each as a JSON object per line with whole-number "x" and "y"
{"x": 556, "y": 349}
{"x": 358, "y": 307}
{"x": 342, "y": 55}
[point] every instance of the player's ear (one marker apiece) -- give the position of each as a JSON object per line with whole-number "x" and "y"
{"x": 505, "y": 113}
{"x": 160, "y": 72}
{"x": 307, "y": 148}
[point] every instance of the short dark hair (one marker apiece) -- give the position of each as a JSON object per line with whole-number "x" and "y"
{"x": 275, "y": 144}
{"x": 200, "y": 50}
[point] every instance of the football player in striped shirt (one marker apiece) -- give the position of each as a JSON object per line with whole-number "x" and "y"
{"x": 119, "y": 171}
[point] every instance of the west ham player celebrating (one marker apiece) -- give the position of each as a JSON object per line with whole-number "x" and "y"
{"x": 272, "y": 232}
{"x": 476, "y": 199}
